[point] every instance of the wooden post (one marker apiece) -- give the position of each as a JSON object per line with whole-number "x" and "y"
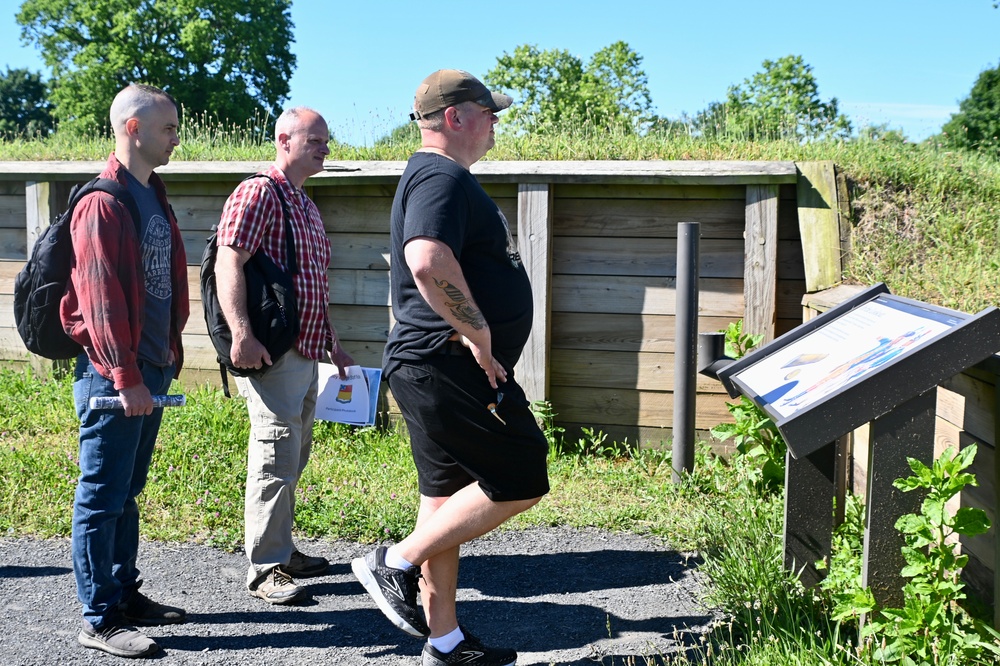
{"x": 906, "y": 431}
{"x": 819, "y": 225}
{"x": 810, "y": 488}
{"x": 534, "y": 240}
{"x": 40, "y": 209}
{"x": 996, "y": 501}
{"x": 760, "y": 277}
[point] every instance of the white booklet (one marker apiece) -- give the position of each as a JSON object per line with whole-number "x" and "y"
{"x": 353, "y": 400}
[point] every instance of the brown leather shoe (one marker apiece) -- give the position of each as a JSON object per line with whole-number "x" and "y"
{"x": 277, "y": 587}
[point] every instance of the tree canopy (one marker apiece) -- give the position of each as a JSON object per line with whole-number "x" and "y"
{"x": 24, "y": 107}
{"x": 230, "y": 59}
{"x": 553, "y": 88}
{"x": 782, "y": 101}
{"x": 976, "y": 126}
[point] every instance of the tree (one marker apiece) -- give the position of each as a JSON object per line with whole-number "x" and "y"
{"x": 228, "y": 59}
{"x": 782, "y": 101}
{"x": 553, "y": 89}
{"x": 24, "y": 108}
{"x": 976, "y": 126}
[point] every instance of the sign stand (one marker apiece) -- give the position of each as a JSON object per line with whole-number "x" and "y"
{"x": 876, "y": 358}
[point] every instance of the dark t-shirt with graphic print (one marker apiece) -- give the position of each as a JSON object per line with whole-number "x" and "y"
{"x": 439, "y": 199}
{"x": 154, "y": 237}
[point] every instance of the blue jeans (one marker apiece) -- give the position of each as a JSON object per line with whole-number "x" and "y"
{"x": 115, "y": 453}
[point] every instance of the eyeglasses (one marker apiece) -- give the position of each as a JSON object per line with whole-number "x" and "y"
{"x": 493, "y": 407}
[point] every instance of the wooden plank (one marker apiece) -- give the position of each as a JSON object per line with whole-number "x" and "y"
{"x": 759, "y": 270}
{"x": 621, "y": 332}
{"x": 534, "y": 227}
{"x": 358, "y": 214}
{"x": 662, "y": 192}
{"x": 646, "y": 218}
{"x": 646, "y": 437}
{"x": 719, "y": 258}
{"x": 12, "y": 188}
{"x": 631, "y": 408}
{"x": 968, "y": 403}
{"x": 371, "y": 215}
{"x": 643, "y": 371}
{"x": 197, "y": 213}
{"x": 12, "y": 211}
{"x": 362, "y": 323}
{"x": 643, "y": 171}
{"x": 819, "y": 224}
{"x": 13, "y": 245}
{"x": 354, "y": 287}
{"x": 360, "y": 251}
{"x": 640, "y": 295}
{"x": 353, "y": 322}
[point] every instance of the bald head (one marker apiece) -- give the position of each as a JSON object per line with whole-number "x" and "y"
{"x": 302, "y": 139}
{"x": 136, "y": 100}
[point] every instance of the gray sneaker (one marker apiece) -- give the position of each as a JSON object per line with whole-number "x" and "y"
{"x": 117, "y": 639}
{"x": 277, "y": 587}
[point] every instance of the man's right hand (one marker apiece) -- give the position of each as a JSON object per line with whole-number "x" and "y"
{"x": 136, "y": 400}
{"x": 248, "y": 352}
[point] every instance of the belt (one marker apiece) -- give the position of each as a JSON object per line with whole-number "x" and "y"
{"x": 454, "y": 348}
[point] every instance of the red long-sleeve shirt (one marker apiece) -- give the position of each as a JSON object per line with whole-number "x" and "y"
{"x": 103, "y": 305}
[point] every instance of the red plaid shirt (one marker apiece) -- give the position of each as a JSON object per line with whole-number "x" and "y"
{"x": 252, "y": 218}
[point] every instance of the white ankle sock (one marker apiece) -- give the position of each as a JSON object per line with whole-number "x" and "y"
{"x": 392, "y": 559}
{"x": 448, "y": 642}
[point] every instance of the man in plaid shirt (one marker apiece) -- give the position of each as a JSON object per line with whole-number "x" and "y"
{"x": 281, "y": 402}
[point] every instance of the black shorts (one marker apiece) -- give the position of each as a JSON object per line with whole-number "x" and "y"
{"x": 456, "y": 440}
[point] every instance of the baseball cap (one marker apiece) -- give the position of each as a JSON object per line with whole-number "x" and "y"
{"x": 448, "y": 87}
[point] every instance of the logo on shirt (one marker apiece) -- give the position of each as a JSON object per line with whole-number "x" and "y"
{"x": 156, "y": 257}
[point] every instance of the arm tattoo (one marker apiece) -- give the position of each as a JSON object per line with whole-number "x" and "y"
{"x": 459, "y": 305}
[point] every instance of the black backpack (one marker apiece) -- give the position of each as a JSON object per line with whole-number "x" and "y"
{"x": 41, "y": 284}
{"x": 274, "y": 317}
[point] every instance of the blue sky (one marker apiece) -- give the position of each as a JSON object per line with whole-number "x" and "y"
{"x": 907, "y": 64}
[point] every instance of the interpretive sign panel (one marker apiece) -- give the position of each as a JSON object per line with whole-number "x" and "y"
{"x": 858, "y": 361}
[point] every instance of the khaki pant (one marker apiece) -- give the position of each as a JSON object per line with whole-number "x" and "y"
{"x": 282, "y": 407}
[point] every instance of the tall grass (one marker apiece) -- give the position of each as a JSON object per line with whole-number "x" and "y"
{"x": 359, "y": 484}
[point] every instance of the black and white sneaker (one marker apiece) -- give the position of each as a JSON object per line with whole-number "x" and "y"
{"x": 470, "y": 652}
{"x": 394, "y": 591}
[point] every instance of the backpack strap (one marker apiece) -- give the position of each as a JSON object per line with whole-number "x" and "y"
{"x": 108, "y": 186}
{"x": 286, "y": 215}
{"x": 293, "y": 266}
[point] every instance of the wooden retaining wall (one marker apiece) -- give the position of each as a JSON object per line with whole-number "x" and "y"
{"x": 598, "y": 239}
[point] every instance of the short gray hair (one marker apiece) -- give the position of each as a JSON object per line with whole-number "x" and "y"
{"x": 290, "y": 117}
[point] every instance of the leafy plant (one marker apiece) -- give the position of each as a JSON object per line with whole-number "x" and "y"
{"x": 931, "y": 627}
{"x": 546, "y": 417}
{"x": 760, "y": 445}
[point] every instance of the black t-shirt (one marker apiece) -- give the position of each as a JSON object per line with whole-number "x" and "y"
{"x": 439, "y": 199}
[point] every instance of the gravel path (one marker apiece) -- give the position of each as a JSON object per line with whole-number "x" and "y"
{"x": 558, "y": 596}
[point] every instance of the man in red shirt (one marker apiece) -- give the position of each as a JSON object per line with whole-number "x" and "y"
{"x": 126, "y": 304}
{"x": 282, "y": 401}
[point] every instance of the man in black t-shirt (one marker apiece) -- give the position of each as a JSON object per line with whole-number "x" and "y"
{"x": 463, "y": 310}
